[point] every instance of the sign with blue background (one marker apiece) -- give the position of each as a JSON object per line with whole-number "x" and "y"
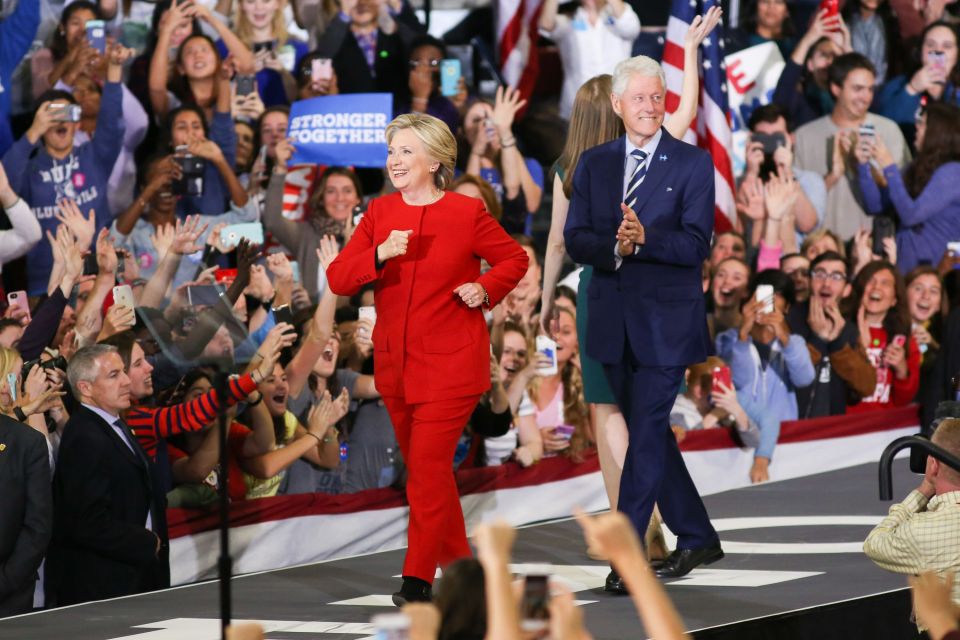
{"x": 345, "y": 130}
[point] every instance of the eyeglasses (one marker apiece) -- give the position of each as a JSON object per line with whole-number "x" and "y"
{"x": 432, "y": 63}
{"x": 836, "y": 276}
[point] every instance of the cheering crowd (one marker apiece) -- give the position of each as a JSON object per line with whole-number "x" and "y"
{"x": 157, "y": 237}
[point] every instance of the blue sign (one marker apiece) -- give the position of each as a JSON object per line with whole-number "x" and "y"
{"x": 345, "y": 130}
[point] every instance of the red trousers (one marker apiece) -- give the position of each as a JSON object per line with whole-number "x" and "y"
{"x": 428, "y": 434}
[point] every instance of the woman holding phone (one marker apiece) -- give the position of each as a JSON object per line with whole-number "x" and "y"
{"x": 422, "y": 248}
{"x": 936, "y": 77}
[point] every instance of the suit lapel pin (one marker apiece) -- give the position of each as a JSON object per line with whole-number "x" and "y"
{"x": 669, "y": 189}
{"x": 663, "y": 157}
{"x": 2, "y": 446}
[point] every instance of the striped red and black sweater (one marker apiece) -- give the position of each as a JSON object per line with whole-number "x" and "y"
{"x": 152, "y": 424}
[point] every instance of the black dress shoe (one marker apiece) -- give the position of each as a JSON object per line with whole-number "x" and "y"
{"x": 615, "y": 584}
{"x": 683, "y": 561}
{"x": 413, "y": 590}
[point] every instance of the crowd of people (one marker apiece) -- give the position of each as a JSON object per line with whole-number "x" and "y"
{"x": 135, "y": 162}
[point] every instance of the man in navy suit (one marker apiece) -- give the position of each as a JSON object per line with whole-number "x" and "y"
{"x": 642, "y": 214}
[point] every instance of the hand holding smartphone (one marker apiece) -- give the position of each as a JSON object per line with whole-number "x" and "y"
{"x": 764, "y": 295}
{"x": 535, "y": 615}
{"x": 20, "y": 300}
{"x": 450, "y": 74}
{"x": 721, "y": 376}
{"x": 547, "y": 347}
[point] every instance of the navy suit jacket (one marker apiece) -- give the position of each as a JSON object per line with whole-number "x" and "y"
{"x": 655, "y": 298}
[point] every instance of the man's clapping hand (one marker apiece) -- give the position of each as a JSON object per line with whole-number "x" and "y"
{"x": 630, "y": 233}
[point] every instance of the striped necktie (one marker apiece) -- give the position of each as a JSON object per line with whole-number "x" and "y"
{"x": 639, "y": 173}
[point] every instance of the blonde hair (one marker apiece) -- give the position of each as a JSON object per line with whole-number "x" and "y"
{"x": 592, "y": 122}
{"x": 8, "y": 362}
{"x": 575, "y": 410}
{"x": 815, "y": 236}
{"x": 437, "y": 141}
{"x": 278, "y": 25}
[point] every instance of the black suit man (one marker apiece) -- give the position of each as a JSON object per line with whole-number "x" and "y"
{"x": 109, "y": 529}
{"x": 26, "y": 513}
{"x": 647, "y": 320}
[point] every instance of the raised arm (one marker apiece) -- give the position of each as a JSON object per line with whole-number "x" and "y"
{"x": 299, "y": 368}
{"x": 286, "y": 231}
{"x": 160, "y": 63}
{"x": 686, "y": 110}
{"x": 516, "y": 176}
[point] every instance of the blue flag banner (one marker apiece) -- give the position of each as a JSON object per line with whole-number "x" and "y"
{"x": 345, "y": 130}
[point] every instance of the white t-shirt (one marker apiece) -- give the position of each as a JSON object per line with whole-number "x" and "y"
{"x": 498, "y": 449}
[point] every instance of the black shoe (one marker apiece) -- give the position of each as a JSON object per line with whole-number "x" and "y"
{"x": 683, "y": 561}
{"x": 413, "y": 590}
{"x": 615, "y": 584}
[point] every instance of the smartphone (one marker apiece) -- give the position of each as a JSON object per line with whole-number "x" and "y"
{"x": 534, "y": 614}
{"x": 123, "y": 294}
{"x": 19, "y": 299}
{"x": 204, "y": 295}
{"x": 899, "y": 340}
{"x": 937, "y": 60}
{"x": 883, "y": 227}
{"x": 225, "y": 276}
{"x": 867, "y": 130}
{"x": 282, "y": 314}
{"x": 954, "y": 249}
{"x": 246, "y": 84}
{"x": 564, "y": 431}
{"x": 263, "y": 46}
{"x": 65, "y": 112}
{"x": 295, "y": 267}
{"x": 12, "y": 384}
{"x": 90, "y": 267}
{"x": 321, "y": 69}
{"x": 368, "y": 313}
{"x": 832, "y": 7}
{"x": 547, "y": 347}
{"x": 450, "y": 73}
{"x": 232, "y": 234}
{"x": 391, "y": 626}
{"x": 97, "y": 35}
{"x": 770, "y": 141}
{"x": 764, "y": 294}
{"x": 721, "y": 375}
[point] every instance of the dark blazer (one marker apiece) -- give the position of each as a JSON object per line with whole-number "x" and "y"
{"x": 391, "y": 68}
{"x": 656, "y": 298}
{"x": 102, "y": 493}
{"x": 26, "y": 513}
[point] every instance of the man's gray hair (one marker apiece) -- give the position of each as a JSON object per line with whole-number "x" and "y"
{"x": 84, "y": 367}
{"x": 636, "y": 66}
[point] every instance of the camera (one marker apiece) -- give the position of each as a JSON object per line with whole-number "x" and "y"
{"x": 65, "y": 112}
{"x": 54, "y": 363}
{"x": 190, "y": 182}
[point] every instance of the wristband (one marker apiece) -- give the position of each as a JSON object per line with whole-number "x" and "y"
{"x": 313, "y": 435}
{"x": 257, "y": 401}
{"x": 21, "y": 416}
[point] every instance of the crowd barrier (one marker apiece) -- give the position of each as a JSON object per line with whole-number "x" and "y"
{"x": 285, "y": 531}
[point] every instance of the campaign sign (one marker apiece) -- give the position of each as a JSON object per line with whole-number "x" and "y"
{"x": 345, "y": 130}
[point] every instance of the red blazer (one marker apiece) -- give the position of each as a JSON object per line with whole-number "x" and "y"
{"x": 429, "y": 345}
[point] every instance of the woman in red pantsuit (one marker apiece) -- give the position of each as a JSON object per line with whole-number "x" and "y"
{"x": 423, "y": 247}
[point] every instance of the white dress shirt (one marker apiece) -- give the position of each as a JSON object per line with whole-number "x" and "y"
{"x": 629, "y": 167}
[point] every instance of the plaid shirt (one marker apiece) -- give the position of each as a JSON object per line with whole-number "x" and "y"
{"x": 918, "y": 536}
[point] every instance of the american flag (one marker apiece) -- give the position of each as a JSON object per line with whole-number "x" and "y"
{"x": 517, "y": 35}
{"x": 712, "y": 125}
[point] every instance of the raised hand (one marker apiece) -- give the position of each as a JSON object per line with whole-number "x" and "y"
{"x": 43, "y": 121}
{"x": 494, "y": 542}
{"x": 83, "y": 229}
{"x": 278, "y": 338}
{"x": 186, "y": 233}
{"x": 750, "y": 198}
{"x": 119, "y": 318}
{"x": 321, "y": 416}
{"x": 505, "y": 107}
{"x": 206, "y": 149}
{"x": 284, "y": 151}
{"x": 780, "y": 196}
{"x": 328, "y": 251}
{"x": 610, "y": 534}
{"x": 106, "y": 254}
{"x": 701, "y": 26}
{"x": 279, "y": 265}
{"x": 162, "y": 239}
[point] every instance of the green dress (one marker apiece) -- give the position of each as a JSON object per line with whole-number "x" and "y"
{"x": 595, "y": 386}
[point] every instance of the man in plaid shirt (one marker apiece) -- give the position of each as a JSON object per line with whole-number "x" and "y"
{"x": 922, "y": 533}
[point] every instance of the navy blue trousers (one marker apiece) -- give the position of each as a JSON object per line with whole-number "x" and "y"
{"x": 654, "y": 471}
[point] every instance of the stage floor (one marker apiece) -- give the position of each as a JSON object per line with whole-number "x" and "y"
{"x": 790, "y": 545}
